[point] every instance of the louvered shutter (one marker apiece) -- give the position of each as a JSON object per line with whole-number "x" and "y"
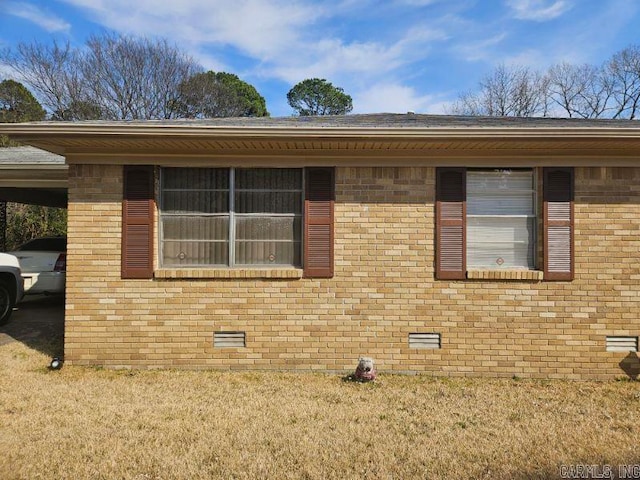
{"x": 137, "y": 222}
{"x": 451, "y": 223}
{"x": 318, "y": 222}
{"x": 558, "y": 223}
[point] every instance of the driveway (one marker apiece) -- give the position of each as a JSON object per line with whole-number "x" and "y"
{"x": 38, "y": 322}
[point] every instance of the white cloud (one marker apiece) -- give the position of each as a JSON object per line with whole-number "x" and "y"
{"x": 259, "y": 28}
{"x": 480, "y": 49}
{"x": 208, "y": 61}
{"x": 538, "y": 10}
{"x": 395, "y": 98}
{"x": 43, "y": 19}
{"x": 541, "y": 59}
{"x": 335, "y": 58}
{"x": 285, "y": 39}
{"x": 7, "y": 72}
{"x": 331, "y": 58}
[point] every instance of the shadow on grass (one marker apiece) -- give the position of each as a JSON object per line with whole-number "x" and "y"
{"x": 37, "y": 322}
{"x": 351, "y": 378}
{"x": 631, "y": 365}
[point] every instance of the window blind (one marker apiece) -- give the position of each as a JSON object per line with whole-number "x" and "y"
{"x": 501, "y": 219}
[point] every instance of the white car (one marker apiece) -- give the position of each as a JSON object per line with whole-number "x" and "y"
{"x": 43, "y": 262}
{"x": 11, "y": 286}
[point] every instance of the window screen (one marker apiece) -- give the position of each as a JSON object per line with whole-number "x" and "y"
{"x": 229, "y": 217}
{"x": 501, "y": 219}
{"x": 268, "y": 214}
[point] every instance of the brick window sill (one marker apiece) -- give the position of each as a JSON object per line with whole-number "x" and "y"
{"x": 516, "y": 274}
{"x": 241, "y": 273}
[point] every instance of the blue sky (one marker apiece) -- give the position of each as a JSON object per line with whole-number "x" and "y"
{"x": 390, "y": 56}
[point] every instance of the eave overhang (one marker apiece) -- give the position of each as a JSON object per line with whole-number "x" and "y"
{"x": 34, "y": 176}
{"x": 193, "y": 144}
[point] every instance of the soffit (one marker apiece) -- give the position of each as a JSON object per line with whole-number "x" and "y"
{"x": 123, "y": 142}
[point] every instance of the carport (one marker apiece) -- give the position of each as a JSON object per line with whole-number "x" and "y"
{"x": 33, "y": 176}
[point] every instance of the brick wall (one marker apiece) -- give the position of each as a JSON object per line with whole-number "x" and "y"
{"x": 383, "y": 289}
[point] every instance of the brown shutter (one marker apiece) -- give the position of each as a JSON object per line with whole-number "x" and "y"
{"x": 558, "y": 223}
{"x": 137, "y": 222}
{"x": 318, "y": 222}
{"x": 451, "y": 213}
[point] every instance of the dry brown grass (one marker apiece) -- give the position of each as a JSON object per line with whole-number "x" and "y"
{"x": 80, "y": 423}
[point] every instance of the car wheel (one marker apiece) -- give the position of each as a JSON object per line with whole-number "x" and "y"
{"x": 6, "y": 303}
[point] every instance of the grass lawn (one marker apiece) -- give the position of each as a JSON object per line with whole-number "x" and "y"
{"x": 83, "y": 423}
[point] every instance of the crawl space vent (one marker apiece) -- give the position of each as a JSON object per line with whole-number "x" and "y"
{"x": 229, "y": 340}
{"x": 424, "y": 340}
{"x": 622, "y": 344}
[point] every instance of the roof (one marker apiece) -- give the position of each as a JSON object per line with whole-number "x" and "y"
{"x": 366, "y": 121}
{"x": 369, "y": 139}
{"x": 26, "y": 156}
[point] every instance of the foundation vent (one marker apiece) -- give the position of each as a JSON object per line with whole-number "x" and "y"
{"x": 424, "y": 340}
{"x": 229, "y": 340}
{"x": 622, "y": 344}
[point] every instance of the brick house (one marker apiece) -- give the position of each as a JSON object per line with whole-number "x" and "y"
{"x": 439, "y": 245}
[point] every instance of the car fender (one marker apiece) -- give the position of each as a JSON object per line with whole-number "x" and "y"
{"x": 9, "y": 264}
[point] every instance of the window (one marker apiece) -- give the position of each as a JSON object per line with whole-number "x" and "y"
{"x": 501, "y": 219}
{"x": 486, "y": 220}
{"x": 231, "y": 217}
{"x": 227, "y": 217}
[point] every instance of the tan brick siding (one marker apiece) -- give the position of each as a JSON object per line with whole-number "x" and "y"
{"x": 383, "y": 289}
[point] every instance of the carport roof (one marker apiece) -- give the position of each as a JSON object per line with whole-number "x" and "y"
{"x": 31, "y": 175}
{"x": 30, "y": 156}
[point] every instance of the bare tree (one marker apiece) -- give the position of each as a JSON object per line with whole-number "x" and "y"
{"x": 135, "y": 78}
{"x": 581, "y": 91}
{"x": 113, "y": 77}
{"x": 52, "y": 71}
{"x": 623, "y": 71}
{"x": 507, "y": 92}
{"x": 576, "y": 91}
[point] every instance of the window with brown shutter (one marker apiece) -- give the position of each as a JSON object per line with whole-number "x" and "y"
{"x": 451, "y": 223}
{"x": 456, "y": 212}
{"x": 318, "y": 222}
{"x": 558, "y": 223}
{"x": 137, "y": 222}
{"x": 501, "y": 219}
